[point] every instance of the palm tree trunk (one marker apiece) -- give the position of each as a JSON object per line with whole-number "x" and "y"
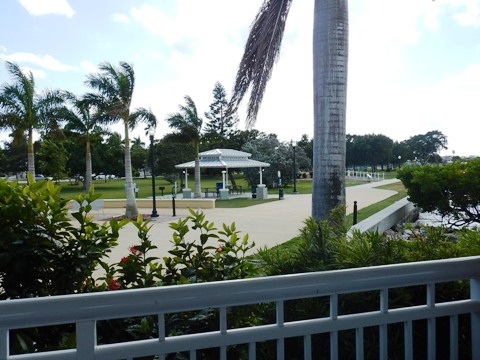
{"x": 131, "y": 210}
{"x": 198, "y": 191}
{"x": 88, "y": 171}
{"x": 330, "y": 64}
{"x": 30, "y": 153}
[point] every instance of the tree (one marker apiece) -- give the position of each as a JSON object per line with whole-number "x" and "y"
{"x": 222, "y": 121}
{"x": 23, "y": 110}
{"x": 188, "y": 126}
{"x": 52, "y": 158}
{"x": 15, "y": 156}
{"x": 452, "y": 190}
{"x": 139, "y": 156}
{"x": 115, "y": 87}
{"x": 425, "y": 146}
{"x": 86, "y": 120}
{"x": 330, "y": 59}
{"x": 279, "y": 155}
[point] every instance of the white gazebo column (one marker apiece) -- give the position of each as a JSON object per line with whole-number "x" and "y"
{"x": 262, "y": 191}
{"x": 186, "y": 191}
{"x": 223, "y": 193}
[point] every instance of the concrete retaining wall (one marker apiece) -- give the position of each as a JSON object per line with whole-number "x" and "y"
{"x": 386, "y": 218}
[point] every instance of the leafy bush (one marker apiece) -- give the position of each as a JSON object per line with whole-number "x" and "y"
{"x": 452, "y": 190}
{"x": 41, "y": 252}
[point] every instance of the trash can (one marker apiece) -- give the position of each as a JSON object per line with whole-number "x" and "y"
{"x": 281, "y": 193}
{"x": 254, "y": 192}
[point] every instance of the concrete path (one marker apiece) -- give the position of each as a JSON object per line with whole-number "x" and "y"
{"x": 266, "y": 224}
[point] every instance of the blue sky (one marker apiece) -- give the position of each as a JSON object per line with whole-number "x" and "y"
{"x": 414, "y": 64}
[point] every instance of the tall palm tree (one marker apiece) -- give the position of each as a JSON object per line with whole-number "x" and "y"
{"x": 86, "y": 120}
{"x": 23, "y": 110}
{"x": 115, "y": 87}
{"x": 188, "y": 126}
{"x": 330, "y": 63}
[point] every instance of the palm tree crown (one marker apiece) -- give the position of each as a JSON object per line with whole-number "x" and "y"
{"x": 188, "y": 126}
{"x": 86, "y": 119}
{"x": 23, "y": 110}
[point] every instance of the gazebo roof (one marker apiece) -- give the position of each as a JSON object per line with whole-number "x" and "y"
{"x": 224, "y": 158}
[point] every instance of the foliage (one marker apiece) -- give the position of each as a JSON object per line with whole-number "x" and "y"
{"x": 47, "y": 254}
{"x": 23, "y": 109}
{"x": 370, "y": 149}
{"x": 279, "y": 155}
{"x": 214, "y": 256}
{"x": 187, "y": 125}
{"x": 425, "y": 146}
{"x": 52, "y": 159}
{"x": 325, "y": 246}
{"x": 15, "y": 156}
{"x": 452, "y": 190}
{"x": 221, "y": 120}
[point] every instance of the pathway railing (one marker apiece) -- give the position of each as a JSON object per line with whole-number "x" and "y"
{"x": 85, "y": 310}
{"x": 365, "y": 175}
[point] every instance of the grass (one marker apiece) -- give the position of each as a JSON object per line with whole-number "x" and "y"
{"x": 368, "y": 211}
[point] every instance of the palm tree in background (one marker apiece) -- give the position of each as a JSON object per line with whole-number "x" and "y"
{"x": 23, "y": 110}
{"x": 188, "y": 126}
{"x": 115, "y": 87}
{"x": 330, "y": 63}
{"x": 86, "y": 120}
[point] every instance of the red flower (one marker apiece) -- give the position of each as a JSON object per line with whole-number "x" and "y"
{"x": 135, "y": 251}
{"x": 113, "y": 284}
{"x": 124, "y": 259}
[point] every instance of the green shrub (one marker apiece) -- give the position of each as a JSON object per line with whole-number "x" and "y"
{"x": 41, "y": 252}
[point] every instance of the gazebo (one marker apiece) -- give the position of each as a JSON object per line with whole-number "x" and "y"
{"x": 227, "y": 159}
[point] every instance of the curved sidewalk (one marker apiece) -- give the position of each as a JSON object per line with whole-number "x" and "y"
{"x": 266, "y": 224}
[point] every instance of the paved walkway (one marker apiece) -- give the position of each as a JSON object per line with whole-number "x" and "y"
{"x": 266, "y": 224}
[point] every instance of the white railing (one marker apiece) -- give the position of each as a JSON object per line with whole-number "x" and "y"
{"x": 365, "y": 175}
{"x": 85, "y": 310}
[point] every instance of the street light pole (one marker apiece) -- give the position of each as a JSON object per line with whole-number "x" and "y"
{"x": 152, "y": 159}
{"x": 294, "y": 145}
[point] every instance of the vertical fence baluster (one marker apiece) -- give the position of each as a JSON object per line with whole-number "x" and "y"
{"x": 408, "y": 339}
{"x": 307, "y": 347}
{"x": 86, "y": 339}
{"x": 252, "y": 351}
{"x": 161, "y": 334}
{"x": 383, "y": 329}
{"x": 475, "y": 318}
{"x": 223, "y": 331}
{"x": 280, "y": 322}
{"x": 453, "y": 337}
{"x": 359, "y": 343}
{"x": 4, "y": 343}
{"x": 431, "y": 323}
{"x": 334, "y": 334}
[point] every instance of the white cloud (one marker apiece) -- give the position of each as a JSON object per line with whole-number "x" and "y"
{"x": 3, "y": 48}
{"x": 121, "y": 18}
{"x": 88, "y": 66}
{"x": 46, "y": 61}
{"x": 45, "y": 7}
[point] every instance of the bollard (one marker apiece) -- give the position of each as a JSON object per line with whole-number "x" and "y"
{"x": 174, "y": 195}
{"x": 354, "y": 212}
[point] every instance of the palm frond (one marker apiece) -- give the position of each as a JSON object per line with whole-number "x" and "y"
{"x": 142, "y": 115}
{"x": 261, "y": 51}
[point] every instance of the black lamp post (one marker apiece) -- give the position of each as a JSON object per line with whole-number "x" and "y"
{"x": 152, "y": 159}
{"x": 294, "y": 145}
